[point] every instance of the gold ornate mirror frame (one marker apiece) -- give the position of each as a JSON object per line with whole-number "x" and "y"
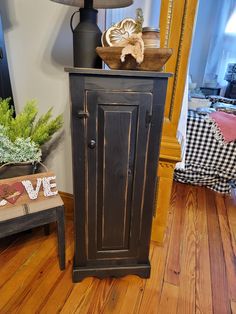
{"x": 176, "y": 24}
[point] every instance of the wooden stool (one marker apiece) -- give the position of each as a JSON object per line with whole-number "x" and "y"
{"x": 27, "y": 216}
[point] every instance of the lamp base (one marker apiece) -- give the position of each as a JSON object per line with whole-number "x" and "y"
{"x": 86, "y": 38}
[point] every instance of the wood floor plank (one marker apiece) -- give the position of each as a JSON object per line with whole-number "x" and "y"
{"x": 229, "y": 256}
{"x": 26, "y": 273}
{"x": 116, "y": 296}
{"x": 30, "y": 272}
{"x": 58, "y": 297}
{"x": 77, "y": 295}
{"x": 169, "y": 299}
{"x": 153, "y": 287}
{"x": 231, "y": 212}
{"x": 203, "y": 276}
{"x": 95, "y": 290}
{"x": 13, "y": 259}
{"x": 6, "y": 243}
{"x": 34, "y": 284}
{"x": 89, "y": 295}
{"x": 187, "y": 298}
{"x": 35, "y": 296}
{"x": 31, "y": 297}
{"x": 219, "y": 285}
{"x": 233, "y": 307}
{"x": 124, "y": 297}
{"x": 173, "y": 268}
{"x": 101, "y": 295}
{"x": 133, "y": 296}
{"x": 126, "y": 294}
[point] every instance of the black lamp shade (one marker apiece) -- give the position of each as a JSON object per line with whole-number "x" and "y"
{"x": 98, "y": 4}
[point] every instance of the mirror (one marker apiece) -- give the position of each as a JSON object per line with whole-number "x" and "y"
{"x": 151, "y": 12}
{"x": 213, "y": 51}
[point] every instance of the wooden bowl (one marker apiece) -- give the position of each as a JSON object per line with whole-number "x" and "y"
{"x": 154, "y": 58}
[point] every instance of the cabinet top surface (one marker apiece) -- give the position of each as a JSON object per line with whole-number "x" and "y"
{"x": 103, "y": 72}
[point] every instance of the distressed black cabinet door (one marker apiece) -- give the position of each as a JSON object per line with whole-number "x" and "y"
{"x": 117, "y": 138}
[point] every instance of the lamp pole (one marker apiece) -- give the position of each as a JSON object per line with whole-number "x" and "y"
{"x": 88, "y": 4}
{"x": 86, "y": 38}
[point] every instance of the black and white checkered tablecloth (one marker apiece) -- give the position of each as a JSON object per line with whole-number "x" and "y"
{"x": 208, "y": 161}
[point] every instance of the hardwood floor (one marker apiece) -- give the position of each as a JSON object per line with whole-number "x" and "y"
{"x": 194, "y": 272}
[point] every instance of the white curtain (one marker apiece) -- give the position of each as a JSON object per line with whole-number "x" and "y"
{"x": 182, "y": 126}
{"x": 223, "y": 45}
{"x": 151, "y": 12}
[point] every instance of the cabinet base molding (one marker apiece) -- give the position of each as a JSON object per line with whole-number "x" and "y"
{"x": 141, "y": 270}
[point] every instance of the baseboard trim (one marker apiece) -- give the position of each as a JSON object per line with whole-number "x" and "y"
{"x": 68, "y": 200}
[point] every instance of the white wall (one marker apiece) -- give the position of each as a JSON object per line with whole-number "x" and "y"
{"x": 205, "y": 29}
{"x": 39, "y": 46}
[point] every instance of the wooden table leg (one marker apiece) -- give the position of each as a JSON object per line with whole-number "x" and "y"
{"x": 61, "y": 235}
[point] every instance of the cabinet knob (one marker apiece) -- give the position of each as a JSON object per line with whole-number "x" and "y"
{"x": 92, "y": 144}
{"x": 83, "y": 114}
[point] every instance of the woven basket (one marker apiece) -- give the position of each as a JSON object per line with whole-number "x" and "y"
{"x": 11, "y": 170}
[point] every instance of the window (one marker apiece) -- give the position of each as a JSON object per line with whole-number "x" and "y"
{"x": 231, "y": 25}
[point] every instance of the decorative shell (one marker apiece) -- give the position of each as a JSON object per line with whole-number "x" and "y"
{"x": 118, "y": 33}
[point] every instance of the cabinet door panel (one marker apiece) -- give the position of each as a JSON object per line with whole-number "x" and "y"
{"x": 116, "y": 170}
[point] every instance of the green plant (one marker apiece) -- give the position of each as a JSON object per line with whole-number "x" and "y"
{"x": 18, "y": 151}
{"x": 25, "y": 125}
{"x": 139, "y": 20}
{"x": 21, "y": 137}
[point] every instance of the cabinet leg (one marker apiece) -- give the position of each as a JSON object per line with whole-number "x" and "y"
{"x": 61, "y": 236}
{"x": 159, "y": 224}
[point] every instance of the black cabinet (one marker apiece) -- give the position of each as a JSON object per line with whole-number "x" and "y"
{"x": 116, "y": 128}
{"x": 208, "y": 91}
{"x": 231, "y": 90}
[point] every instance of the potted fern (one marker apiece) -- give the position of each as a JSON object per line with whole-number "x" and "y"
{"x": 22, "y": 137}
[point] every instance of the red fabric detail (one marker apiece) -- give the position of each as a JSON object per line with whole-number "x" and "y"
{"x": 226, "y": 123}
{"x": 12, "y": 192}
